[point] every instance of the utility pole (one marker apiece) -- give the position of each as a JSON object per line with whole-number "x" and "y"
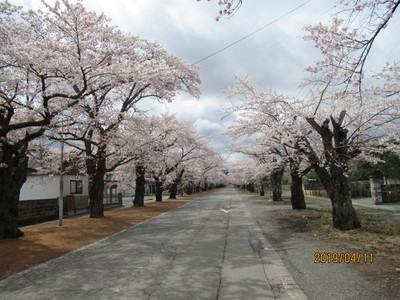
{"x": 60, "y": 199}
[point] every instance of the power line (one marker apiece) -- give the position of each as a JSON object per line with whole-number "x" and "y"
{"x": 254, "y": 32}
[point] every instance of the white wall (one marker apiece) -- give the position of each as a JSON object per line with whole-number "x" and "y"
{"x": 48, "y": 187}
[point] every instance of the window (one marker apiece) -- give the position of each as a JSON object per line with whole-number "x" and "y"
{"x": 76, "y": 187}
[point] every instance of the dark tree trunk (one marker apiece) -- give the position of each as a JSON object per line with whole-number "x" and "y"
{"x": 96, "y": 169}
{"x": 296, "y": 188}
{"x": 173, "y": 191}
{"x": 334, "y": 174}
{"x": 96, "y": 195}
{"x": 297, "y": 193}
{"x": 159, "y": 190}
{"x": 250, "y": 187}
{"x": 189, "y": 189}
{"x": 262, "y": 191}
{"x": 12, "y": 177}
{"x": 140, "y": 186}
{"x": 276, "y": 184}
{"x": 344, "y": 216}
{"x": 174, "y": 186}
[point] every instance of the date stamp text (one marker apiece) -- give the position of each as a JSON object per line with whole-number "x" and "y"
{"x": 344, "y": 257}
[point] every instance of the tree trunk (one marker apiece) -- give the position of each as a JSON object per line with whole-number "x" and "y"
{"x": 337, "y": 186}
{"x": 96, "y": 169}
{"x": 297, "y": 193}
{"x": 333, "y": 174}
{"x": 296, "y": 188}
{"x": 96, "y": 195}
{"x": 250, "y": 187}
{"x": 140, "y": 186}
{"x": 276, "y": 184}
{"x": 159, "y": 190}
{"x": 344, "y": 216}
{"x": 262, "y": 192}
{"x": 12, "y": 177}
{"x": 173, "y": 191}
{"x": 174, "y": 186}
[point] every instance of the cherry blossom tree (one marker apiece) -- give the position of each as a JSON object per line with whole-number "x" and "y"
{"x": 204, "y": 171}
{"x": 270, "y": 164}
{"x": 137, "y": 70}
{"x": 165, "y": 149}
{"x": 347, "y": 40}
{"x": 149, "y": 140}
{"x": 291, "y": 127}
{"x": 181, "y": 153}
{"x": 350, "y": 113}
{"x": 275, "y": 131}
{"x": 168, "y": 155}
{"x": 45, "y": 158}
{"x": 228, "y": 7}
{"x": 242, "y": 173}
{"x": 53, "y": 60}
{"x": 190, "y": 147}
{"x": 142, "y": 70}
{"x": 46, "y": 66}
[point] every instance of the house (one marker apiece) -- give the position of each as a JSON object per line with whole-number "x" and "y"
{"x": 40, "y": 193}
{"x": 39, "y": 197}
{"x": 48, "y": 187}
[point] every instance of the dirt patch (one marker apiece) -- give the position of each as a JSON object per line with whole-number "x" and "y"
{"x": 46, "y": 241}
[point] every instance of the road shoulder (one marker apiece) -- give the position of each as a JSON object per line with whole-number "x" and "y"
{"x": 250, "y": 265}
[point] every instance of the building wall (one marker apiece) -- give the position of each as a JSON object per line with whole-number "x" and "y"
{"x": 48, "y": 187}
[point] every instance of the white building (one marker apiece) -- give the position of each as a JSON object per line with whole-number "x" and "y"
{"x": 40, "y": 187}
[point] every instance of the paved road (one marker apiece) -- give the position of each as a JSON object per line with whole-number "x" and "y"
{"x": 208, "y": 249}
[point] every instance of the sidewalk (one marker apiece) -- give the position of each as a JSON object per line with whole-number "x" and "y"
{"x": 367, "y": 202}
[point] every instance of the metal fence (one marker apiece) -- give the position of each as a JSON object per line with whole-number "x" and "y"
{"x": 360, "y": 189}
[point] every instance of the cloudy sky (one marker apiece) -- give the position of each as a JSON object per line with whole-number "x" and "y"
{"x": 274, "y": 57}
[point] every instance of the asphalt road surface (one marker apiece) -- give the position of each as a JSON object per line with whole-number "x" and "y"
{"x": 211, "y": 248}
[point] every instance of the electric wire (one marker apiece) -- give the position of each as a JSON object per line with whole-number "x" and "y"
{"x": 250, "y": 34}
